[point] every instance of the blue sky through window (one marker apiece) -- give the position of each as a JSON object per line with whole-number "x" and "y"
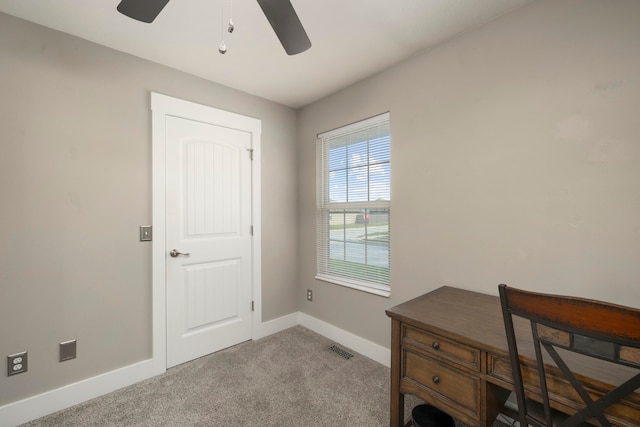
{"x": 359, "y": 167}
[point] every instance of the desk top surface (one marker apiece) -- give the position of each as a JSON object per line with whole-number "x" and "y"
{"x": 469, "y": 317}
{"x": 476, "y": 319}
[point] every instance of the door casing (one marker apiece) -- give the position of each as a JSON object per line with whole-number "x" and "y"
{"x": 162, "y": 106}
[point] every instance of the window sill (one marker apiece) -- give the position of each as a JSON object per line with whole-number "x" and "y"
{"x": 360, "y": 286}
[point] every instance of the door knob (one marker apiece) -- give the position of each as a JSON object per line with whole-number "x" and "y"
{"x": 174, "y": 253}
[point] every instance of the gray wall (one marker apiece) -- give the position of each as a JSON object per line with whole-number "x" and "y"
{"x": 515, "y": 159}
{"x": 75, "y": 167}
{"x": 515, "y": 152}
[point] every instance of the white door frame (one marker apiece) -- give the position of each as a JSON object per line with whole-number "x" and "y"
{"x": 162, "y": 106}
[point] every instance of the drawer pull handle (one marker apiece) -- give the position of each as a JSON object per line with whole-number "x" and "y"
{"x": 435, "y": 379}
{"x": 435, "y": 345}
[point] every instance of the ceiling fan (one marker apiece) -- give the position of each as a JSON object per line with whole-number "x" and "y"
{"x": 280, "y": 13}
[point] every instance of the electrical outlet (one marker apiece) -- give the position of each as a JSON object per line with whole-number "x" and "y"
{"x": 17, "y": 363}
{"x": 309, "y": 295}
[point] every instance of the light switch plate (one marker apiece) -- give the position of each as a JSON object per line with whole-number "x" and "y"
{"x": 145, "y": 233}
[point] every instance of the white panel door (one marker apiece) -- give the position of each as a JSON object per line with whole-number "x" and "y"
{"x": 208, "y": 229}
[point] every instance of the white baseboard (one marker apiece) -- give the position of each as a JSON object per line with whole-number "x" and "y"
{"x": 365, "y": 347}
{"x": 46, "y": 403}
{"x": 270, "y": 327}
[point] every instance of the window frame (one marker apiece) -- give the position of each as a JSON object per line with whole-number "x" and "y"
{"x": 324, "y": 207}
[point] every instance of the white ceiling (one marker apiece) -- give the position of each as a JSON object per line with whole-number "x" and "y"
{"x": 351, "y": 39}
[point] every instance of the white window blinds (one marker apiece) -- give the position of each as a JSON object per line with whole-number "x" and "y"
{"x": 353, "y": 234}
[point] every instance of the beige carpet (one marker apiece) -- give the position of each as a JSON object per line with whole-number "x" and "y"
{"x": 286, "y": 379}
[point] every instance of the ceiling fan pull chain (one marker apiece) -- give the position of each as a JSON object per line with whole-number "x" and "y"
{"x": 230, "y": 27}
{"x": 222, "y": 47}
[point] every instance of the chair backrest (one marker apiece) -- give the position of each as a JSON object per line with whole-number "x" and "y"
{"x": 574, "y": 325}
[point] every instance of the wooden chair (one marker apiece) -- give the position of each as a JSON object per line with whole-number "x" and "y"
{"x": 564, "y": 326}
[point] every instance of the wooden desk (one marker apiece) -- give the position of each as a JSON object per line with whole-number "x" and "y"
{"x": 449, "y": 348}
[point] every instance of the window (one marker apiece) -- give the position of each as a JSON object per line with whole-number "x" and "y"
{"x": 353, "y": 164}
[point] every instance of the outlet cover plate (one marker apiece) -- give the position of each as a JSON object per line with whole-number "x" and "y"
{"x": 67, "y": 350}
{"x": 17, "y": 363}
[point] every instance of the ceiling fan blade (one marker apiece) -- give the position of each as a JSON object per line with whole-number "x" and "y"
{"x": 286, "y": 24}
{"x": 142, "y": 10}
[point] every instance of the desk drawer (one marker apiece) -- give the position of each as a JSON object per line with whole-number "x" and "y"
{"x": 446, "y": 383}
{"x": 562, "y": 393}
{"x": 500, "y": 369}
{"x": 433, "y": 344}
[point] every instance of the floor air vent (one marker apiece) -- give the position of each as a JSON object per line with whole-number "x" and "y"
{"x": 341, "y": 352}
